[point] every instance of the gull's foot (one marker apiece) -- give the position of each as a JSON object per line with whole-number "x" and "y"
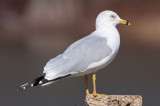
{"x": 87, "y": 92}
{"x": 96, "y": 94}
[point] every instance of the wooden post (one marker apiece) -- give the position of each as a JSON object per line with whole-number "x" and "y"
{"x": 114, "y": 100}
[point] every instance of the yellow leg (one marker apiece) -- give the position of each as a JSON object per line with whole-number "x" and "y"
{"x": 94, "y": 86}
{"x": 86, "y": 80}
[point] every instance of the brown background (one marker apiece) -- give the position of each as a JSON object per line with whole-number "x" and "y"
{"x": 34, "y": 31}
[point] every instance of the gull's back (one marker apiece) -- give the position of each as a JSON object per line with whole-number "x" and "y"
{"x": 78, "y": 56}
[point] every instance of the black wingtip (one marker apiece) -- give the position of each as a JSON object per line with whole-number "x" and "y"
{"x": 19, "y": 88}
{"x": 39, "y": 81}
{"x": 33, "y": 83}
{"x": 23, "y": 87}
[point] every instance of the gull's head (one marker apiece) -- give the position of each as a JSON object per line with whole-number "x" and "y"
{"x": 109, "y": 18}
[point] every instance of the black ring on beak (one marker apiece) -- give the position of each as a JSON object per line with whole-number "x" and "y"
{"x": 127, "y": 23}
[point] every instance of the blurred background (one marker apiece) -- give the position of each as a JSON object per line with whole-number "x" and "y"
{"x": 34, "y": 31}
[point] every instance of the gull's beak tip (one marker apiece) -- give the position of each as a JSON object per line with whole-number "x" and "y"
{"x": 128, "y": 23}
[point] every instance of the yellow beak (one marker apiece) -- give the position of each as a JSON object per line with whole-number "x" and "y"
{"x": 125, "y": 22}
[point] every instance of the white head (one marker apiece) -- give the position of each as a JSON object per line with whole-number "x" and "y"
{"x": 109, "y": 18}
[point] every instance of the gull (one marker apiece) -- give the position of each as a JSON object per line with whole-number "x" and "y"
{"x": 85, "y": 56}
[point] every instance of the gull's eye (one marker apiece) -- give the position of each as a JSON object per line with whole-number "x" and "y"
{"x": 112, "y": 16}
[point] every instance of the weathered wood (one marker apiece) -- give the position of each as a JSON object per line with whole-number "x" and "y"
{"x": 114, "y": 100}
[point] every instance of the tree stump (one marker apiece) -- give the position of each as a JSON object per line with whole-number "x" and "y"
{"x": 114, "y": 100}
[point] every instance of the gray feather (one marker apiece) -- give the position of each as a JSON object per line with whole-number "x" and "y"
{"x": 78, "y": 56}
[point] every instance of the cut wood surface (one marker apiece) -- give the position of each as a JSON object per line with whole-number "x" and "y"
{"x": 114, "y": 100}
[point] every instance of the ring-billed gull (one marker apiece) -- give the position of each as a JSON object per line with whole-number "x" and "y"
{"x": 86, "y": 55}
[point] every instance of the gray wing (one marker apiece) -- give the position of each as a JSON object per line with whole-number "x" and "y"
{"x": 89, "y": 50}
{"x": 78, "y": 56}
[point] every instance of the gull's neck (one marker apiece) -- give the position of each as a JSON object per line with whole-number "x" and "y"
{"x": 108, "y": 30}
{"x": 105, "y": 26}
{"x": 112, "y": 35}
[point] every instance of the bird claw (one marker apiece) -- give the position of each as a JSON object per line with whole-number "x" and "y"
{"x": 94, "y": 94}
